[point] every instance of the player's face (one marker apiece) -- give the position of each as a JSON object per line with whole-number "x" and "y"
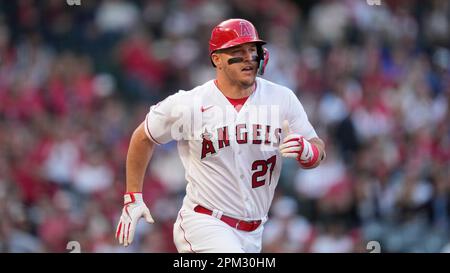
{"x": 242, "y": 72}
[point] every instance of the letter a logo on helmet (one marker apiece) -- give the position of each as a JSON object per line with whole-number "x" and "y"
{"x": 244, "y": 29}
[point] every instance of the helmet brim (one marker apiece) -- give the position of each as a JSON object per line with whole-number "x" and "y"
{"x": 240, "y": 41}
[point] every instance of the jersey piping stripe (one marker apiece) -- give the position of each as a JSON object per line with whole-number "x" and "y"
{"x": 149, "y": 133}
{"x": 184, "y": 234}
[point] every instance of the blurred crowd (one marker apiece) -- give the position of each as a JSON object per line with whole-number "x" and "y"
{"x": 76, "y": 80}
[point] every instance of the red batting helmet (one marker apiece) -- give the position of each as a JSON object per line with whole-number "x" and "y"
{"x": 233, "y": 32}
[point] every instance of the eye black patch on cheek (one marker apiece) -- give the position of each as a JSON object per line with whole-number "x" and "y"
{"x": 240, "y": 60}
{"x": 235, "y": 60}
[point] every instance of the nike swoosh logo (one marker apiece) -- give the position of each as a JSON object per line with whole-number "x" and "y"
{"x": 203, "y": 109}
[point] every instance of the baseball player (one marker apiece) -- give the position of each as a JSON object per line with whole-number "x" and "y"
{"x": 232, "y": 133}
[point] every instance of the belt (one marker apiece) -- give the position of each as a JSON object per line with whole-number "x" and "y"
{"x": 232, "y": 222}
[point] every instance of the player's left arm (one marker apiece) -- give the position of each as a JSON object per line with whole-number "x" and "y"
{"x": 300, "y": 139}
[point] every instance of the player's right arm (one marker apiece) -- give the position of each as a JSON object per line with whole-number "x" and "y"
{"x": 154, "y": 130}
{"x": 139, "y": 154}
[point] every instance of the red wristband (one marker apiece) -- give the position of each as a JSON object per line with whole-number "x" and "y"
{"x": 314, "y": 159}
{"x": 132, "y": 199}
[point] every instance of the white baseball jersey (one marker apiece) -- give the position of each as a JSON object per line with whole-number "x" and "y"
{"x": 230, "y": 157}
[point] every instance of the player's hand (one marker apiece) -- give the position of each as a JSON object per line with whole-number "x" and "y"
{"x": 296, "y": 146}
{"x": 134, "y": 208}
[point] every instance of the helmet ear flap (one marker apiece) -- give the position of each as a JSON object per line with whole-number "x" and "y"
{"x": 263, "y": 56}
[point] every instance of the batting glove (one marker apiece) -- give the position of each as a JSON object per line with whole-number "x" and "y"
{"x": 134, "y": 208}
{"x": 296, "y": 146}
